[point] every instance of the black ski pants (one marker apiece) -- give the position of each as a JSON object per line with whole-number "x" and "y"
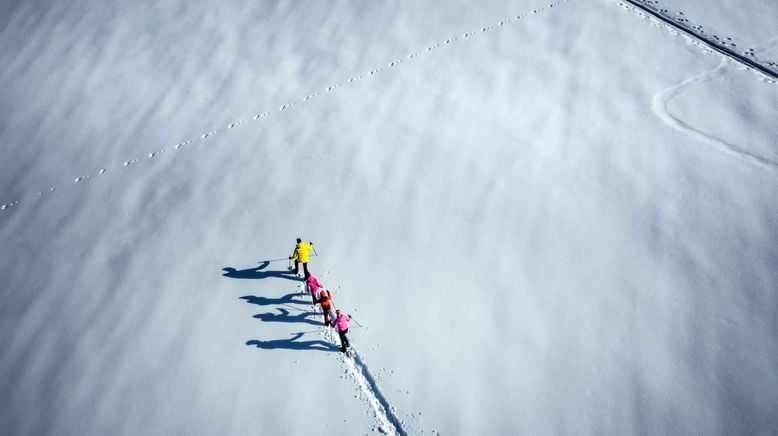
{"x": 297, "y": 267}
{"x": 343, "y": 340}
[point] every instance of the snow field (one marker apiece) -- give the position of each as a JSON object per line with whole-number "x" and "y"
{"x": 560, "y": 224}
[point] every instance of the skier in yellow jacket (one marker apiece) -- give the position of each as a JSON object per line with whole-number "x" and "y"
{"x": 300, "y": 255}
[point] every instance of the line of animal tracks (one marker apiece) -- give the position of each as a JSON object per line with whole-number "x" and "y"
{"x": 290, "y": 105}
{"x": 724, "y": 46}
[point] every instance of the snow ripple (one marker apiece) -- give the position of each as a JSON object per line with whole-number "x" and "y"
{"x": 287, "y": 107}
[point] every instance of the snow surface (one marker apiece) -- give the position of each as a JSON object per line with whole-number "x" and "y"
{"x": 547, "y": 218}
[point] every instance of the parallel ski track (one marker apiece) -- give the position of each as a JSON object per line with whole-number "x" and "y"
{"x": 389, "y": 423}
{"x": 356, "y": 367}
{"x": 710, "y": 43}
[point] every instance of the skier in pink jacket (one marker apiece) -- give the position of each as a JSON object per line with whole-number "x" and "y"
{"x": 341, "y": 325}
{"x": 313, "y": 285}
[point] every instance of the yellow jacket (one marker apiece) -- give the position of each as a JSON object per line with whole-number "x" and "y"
{"x": 301, "y": 252}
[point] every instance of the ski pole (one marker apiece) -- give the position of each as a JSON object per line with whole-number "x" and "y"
{"x": 272, "y": 260}
{"x": 357, "y": 322}
{"x": 320, "y": 329}
{"x": 314, "y": 249}
{"x": 292, "y": 307}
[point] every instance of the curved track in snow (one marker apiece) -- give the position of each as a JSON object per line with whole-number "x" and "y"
{"x": 660, "y": 106}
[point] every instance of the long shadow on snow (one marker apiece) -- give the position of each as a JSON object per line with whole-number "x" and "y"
{"x": 264, "y": 301}
{"x": 258, "y": 273}
{"x": 285, "y": 317}
{"x": 292, "y": 344}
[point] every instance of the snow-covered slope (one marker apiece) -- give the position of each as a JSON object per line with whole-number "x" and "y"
{"x": 546, "y": 218}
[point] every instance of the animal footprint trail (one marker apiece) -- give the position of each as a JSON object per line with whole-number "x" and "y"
{"x": 447, "y": 42}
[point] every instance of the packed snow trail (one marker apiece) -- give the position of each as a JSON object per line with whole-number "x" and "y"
{"x": 660, "y": 107}
{"x": 700, "y": 37}
{"x": 357, "y": 369}
{"x": 387, "y": 421}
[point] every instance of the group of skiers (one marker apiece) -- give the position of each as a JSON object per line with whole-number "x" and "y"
{"x": 319, "y": 295}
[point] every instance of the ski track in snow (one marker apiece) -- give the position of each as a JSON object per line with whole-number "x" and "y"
{"x": 662, "y": 100}
{"x": 288, "y": 106}
{"x": 678, "y": 24}
{"x": 356, "y": 368}
{"x": 384, "y": 413}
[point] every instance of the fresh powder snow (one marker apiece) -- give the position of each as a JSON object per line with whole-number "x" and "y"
{"x": 553, "y": 217}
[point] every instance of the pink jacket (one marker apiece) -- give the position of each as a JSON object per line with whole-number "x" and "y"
{"x": 341, "y": 322}
{"x": 313, "y": 285}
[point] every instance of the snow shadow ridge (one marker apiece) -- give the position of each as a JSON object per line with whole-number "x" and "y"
{"x": 258, "y": 272}
{"x": 294, "y": 344}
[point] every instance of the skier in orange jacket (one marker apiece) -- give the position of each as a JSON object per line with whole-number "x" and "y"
{"x": 325, "y": 300}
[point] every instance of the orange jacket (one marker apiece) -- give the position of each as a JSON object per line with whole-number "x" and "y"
{"x": 325, "y": 300}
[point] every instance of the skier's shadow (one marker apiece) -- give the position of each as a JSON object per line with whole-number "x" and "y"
{"x": 258, "y": 273}
{"x": 264, "y": 301}
{"x": 293, "y": 344}
{"x": 284, "y": 316}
